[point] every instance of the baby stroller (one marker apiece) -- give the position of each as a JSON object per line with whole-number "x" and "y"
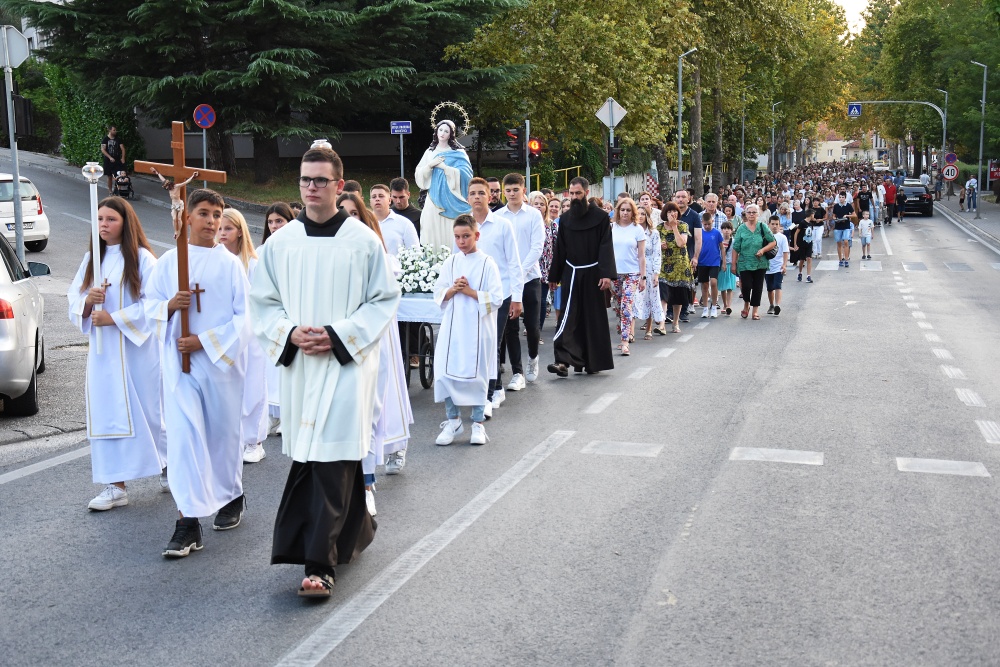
{"x": 123, "y": 186}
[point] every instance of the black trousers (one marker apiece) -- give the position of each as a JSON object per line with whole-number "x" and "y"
{"x": 502, "y": 314}
{"x": 752, "y": 286}
{"x": 530, "y": 305}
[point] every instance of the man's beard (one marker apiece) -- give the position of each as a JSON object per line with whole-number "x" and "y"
{"x": 578, "y": 207}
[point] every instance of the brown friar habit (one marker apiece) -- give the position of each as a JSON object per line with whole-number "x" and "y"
{"x": 323, "y": 519}
{"x": 583, "y": 338}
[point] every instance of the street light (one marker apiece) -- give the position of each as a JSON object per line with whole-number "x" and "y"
{"x": 773, "y": 107}
{"x": 93, "y": 172}
{"x": 982, "y": 125}
{"x": 680, "y": 107}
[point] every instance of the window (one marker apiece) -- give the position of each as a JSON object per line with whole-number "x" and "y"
{"x": 843, "y": 151}
{"x": 25, "y": 189}
{"x": 14, "y": 266}
{"x": 829, "y": 152}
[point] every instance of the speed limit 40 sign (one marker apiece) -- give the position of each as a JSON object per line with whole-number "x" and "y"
{"x": 950, "y": 172}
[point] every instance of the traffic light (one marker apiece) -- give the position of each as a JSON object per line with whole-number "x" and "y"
{"x": 515, "y": 141}
{"x": 534, "y": 150}
{"x": 614, "y": 154}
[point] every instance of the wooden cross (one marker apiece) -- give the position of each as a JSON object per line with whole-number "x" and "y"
{"x": 197, "y": 291}
{"x": 105, "y": 284}
{"x": 180, "y": 172}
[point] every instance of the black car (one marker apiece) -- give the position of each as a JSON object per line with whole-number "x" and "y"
{"x": 918, "y": 197}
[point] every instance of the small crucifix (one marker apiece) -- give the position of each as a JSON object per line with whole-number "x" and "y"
{"x": 180, "y": 172}
{"x": 105, "y": 285}
{"x": 197, "y": 292}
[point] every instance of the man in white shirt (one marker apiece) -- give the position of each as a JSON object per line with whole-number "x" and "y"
{"x": 925, "y": 180}
{"x": 971, "y": 193}
{"x": 397, "y": 231}
{"x": 497, "y": 239}
{"x": 879, "y": 202}
{"x": 529, "y": 230}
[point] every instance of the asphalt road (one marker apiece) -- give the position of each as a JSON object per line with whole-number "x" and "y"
{"x": 612, "y": 519}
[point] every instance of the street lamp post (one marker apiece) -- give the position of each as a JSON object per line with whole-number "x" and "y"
{"x": 743, "y": 132}
{"x": 773, "y": 107}
{"x": 944, "y": 139}
{"x": 93, "y": 172}
{"x": 982, "y": 126}
{"x": 680, "y": 108}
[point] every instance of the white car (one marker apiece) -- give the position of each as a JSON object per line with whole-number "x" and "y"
{"x": 36, "y": 223}
{"x": 22, "y": 340}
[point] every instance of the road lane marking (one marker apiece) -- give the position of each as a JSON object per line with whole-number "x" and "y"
{"x": 610, "y": 448}
{"x": 906, "y": 290}
{"x": 996, "y": 265}
{"x": 701, "y": 325}
{"x": 952, "y": 373}
{"x": 665, "y": 352}
{"x": 942, "y": 467}
{"x": 919, "y": 315}
{"x": 914, "y": 266}
{"x": 21, "y": 473}
{"x": 908, "y": 297}
{"x": 685, "y": 338}
{"x": 895, "y": 273}
{"x": 318, "y": 645}
{"x": 958, "y": 267}
{"x": 911, "y": 304}
{"x": 932, "y": 338}
{"x": 970, "y": 397}
{"x": 776, "y": 456}
{"x": 925, "y": 325}
{"x": 601, "y": 404}
{"x": 826, "y": 265}
{"x": 885, "y": 242}
{"x": 990, "y": 431}
{"x": 639, "y": 373}
{"x": 941, "y": 353}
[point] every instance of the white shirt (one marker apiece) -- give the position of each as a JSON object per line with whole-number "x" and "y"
{"x": 925, "y": 179}
{"x": 971, "y": 184}
{"x": 397, "y": 232}
{"x": 626, "y": 243}
{"x": 529, "y": 230}
{"x": 497, "y": 239}
{"x": 774, "y": 265}
{"x": 880, "y": 193}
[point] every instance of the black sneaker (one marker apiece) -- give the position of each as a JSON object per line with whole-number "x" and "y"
{"x": 777, "y": 310}
{"x": 230, "y": 515}
{"x": 187, "y": 538}
{"x": 770, "y": 310}
{"x": 558, "y": 369}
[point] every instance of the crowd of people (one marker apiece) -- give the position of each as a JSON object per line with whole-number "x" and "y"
{"x": 298, "y": 336}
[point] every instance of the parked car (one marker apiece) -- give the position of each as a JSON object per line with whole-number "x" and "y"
{"x": 918, "y": 197}
{"x": 22, "y": 338}
{"x": 36, "y": 223}
{"x": 880, "y": 165}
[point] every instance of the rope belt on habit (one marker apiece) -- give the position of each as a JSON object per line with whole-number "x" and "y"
{"x": 569, "y": 297}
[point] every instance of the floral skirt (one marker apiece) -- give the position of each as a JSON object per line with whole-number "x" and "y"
{"x": 625, "y": 288}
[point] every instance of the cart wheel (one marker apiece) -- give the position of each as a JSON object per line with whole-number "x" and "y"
{"x": 426, "y": 340}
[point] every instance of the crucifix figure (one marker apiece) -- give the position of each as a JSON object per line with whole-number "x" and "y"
{"x": 197, "y": 292}
{"x": 176, "y": 203}
{"x": 181, "y": 174}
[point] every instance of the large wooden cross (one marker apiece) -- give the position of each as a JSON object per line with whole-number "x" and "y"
{"x": 180, "y": 172}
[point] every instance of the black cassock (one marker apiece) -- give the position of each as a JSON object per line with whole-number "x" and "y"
{"x": 583, "y": 338}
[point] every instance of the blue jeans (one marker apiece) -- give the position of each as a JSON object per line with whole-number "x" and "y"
{"x": 453, "y": 412}
{"x": 971, "y": 199}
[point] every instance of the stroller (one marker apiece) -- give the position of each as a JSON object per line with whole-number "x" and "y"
{"x": 123, "y": 186}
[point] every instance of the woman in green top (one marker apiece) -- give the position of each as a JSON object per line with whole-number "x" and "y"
{"x": 750, "y": 242}
{"x": 676, "y": 267}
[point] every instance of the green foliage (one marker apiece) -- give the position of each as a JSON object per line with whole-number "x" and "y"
{"x": 30, "y": 82}
{"x": 85, "y": 121}
{"x": 546, "y": 173}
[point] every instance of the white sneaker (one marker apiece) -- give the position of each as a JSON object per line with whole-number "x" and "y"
{"x": 370, "y": 501}
{"x": 254, "y": 453}
{"x": 164, "y": 483}
{"x": 704, "y": 312}
{"x": 449, "y": 429}
{"x": 714, "y": 312}
{"x": 499, "y": 396}
{"x": 532, "y": 373}
{"x": 273, "y": 426}
{"x": 396, "y": 462}
{"x": 110, "y": 497}
{"x": 516, "y": 383}
{"x": 488, "y": 410}
{"x": 478, "y": 436}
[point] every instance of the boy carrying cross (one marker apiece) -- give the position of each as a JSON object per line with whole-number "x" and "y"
{"x": 202, "y": 409}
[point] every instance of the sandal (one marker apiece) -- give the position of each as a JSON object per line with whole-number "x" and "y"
{"x": 631, "y": 338}
{"x": 745, "y": 313}
{"x": 660, "y": 330}
{"x": 676, "y": 329}
{"x": 326, "y": 591}
{"x": 755, "y": 317}
{"x": 625, "y": 351}
{"x": 648, "y": 336}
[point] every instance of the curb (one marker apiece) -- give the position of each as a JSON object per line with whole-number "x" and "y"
{"x": 972, "y": 228}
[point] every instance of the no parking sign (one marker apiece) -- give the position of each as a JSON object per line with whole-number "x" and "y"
{"x": 204, "y": 116}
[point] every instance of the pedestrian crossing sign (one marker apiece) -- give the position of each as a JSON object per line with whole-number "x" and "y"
{"x": 854, "y": 110}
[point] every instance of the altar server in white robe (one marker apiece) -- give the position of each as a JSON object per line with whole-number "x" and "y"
{"x": 123, "y": 381}
{"x": 469, "y": 290}
{"x": 203, "y": 409}
{"x": 393, "y": 414}
{"x": 234, "y": 234}
{"x": 276, "y": 216}
{"x": 322, "y": 297}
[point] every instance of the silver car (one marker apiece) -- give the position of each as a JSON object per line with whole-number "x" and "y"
{"x": 22, "y": 341}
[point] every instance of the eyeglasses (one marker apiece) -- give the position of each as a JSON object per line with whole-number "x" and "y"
{"x": 495, "y": 191}
{"x": 319, "y": 181}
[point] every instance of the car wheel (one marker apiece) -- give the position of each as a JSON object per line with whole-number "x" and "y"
{"x": 929, "y": 212}
{"x": 41, "y": 364}
{"x": 36, "y": 246}
{"x": 26, "y": 404}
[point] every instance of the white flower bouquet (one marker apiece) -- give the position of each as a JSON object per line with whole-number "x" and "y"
{"x": 421, "y": 266}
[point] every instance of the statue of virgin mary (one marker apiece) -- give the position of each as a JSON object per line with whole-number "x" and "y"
{"x": 444, "y": 171}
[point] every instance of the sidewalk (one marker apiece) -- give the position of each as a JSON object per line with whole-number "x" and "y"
{"x": 988, "y": 225}
{"x": 146, "y": 186}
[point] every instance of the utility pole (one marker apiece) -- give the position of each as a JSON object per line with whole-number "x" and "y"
{"x": 680, "y": 117}
{"x": 982, "y": 125}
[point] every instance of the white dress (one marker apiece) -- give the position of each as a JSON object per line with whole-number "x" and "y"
{"x": 124, "y": 421}
{"x": 647, "y": 302}
{"x": 437, "y": 217}
{"x": 255, "y": 390}
{"x": 465, "y": 353}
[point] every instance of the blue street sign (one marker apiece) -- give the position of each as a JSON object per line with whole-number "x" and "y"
{"x": 204, "y": 116}
{"x": 854, "y": 111}
{"x": 400, "y": 127}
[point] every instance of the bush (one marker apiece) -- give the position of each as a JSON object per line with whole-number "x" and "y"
{"x": 31, "y": 83}
{"x": 85, "y": 121}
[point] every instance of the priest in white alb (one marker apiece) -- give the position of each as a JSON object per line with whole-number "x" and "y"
{"x": 322, "y": 297}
